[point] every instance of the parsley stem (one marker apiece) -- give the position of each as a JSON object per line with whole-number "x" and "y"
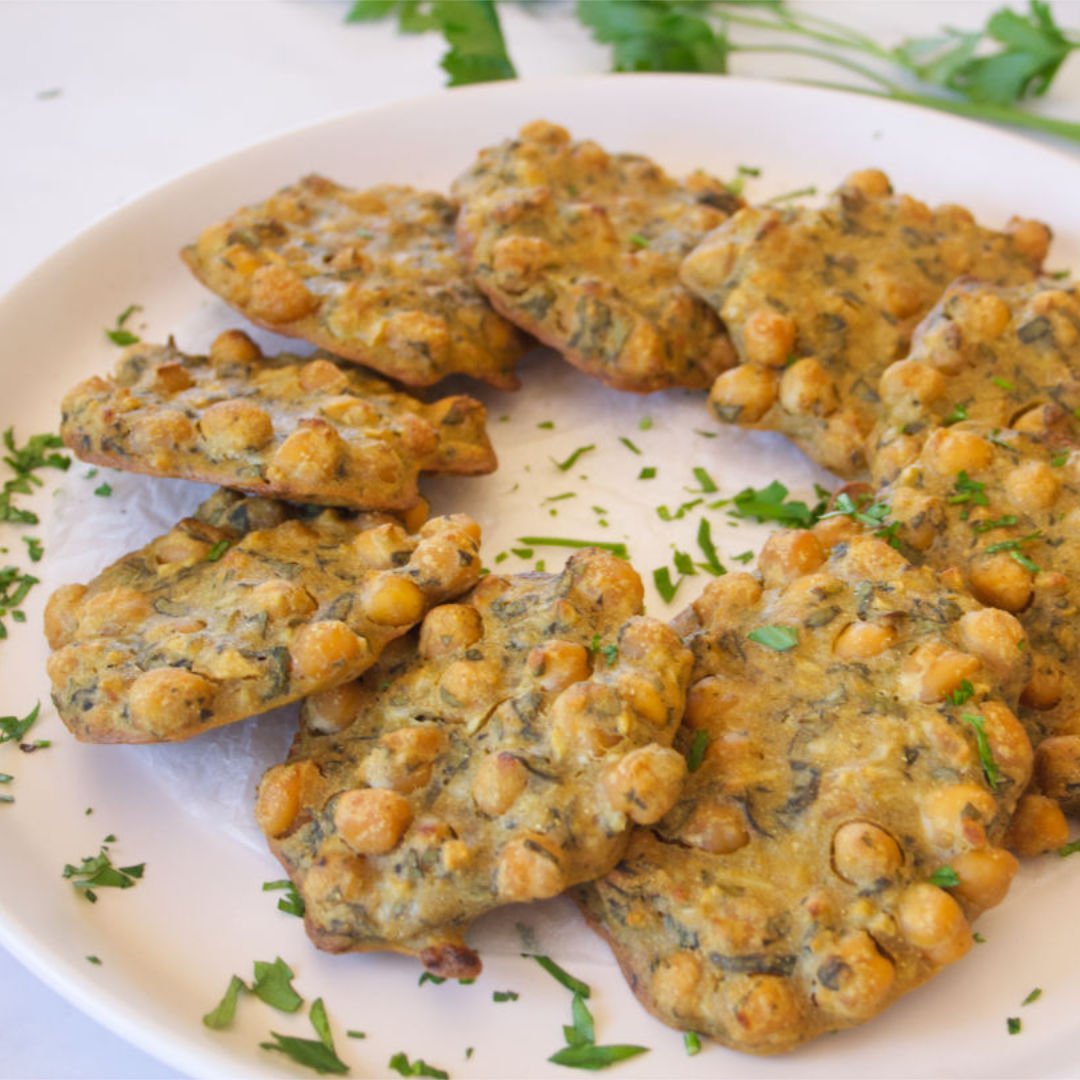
{"x": 832, "y": 58}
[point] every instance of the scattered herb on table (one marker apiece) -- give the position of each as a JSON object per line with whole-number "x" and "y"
{"x": 312, "y": 1053}
{"x": 712, "y": 564}
{"x": 95, "y": 960}
{"x": 692, "y": 1042}
{"x": 273, "y": 985}
{"x": 1013, "y": 1025}
{"x": 571, "y": 461}
{"x": 119, "y": 334}
{"x": 561, "y": 975}
{"x": 504, "y": 995}
{"x": 14, "y": 587}
{"x": 617, "y": 549}
{"x": 770, "y": 503}
{"x": 1032, "y": 997}
{"x": 647, "y": 473}
{"x": 664, "y": 585}
{"x": 400, "y": 1063}
{"x": 103, "y": 491}
{"x": 223, "y": 1014}
{"x": 292, "y": 903}
{"x": 24, "y": 461}
{"x": 1068, "y": 849}
{"x": 14, "y": 728}
{"x": 97, "y": 872}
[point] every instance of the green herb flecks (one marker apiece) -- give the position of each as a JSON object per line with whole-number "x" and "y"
{"x": 14, "y": 587}
{"x": 33, "y": 548}
{"x": 273, "y": 985}
{"x": 777, "y": 638}
{"x": 664, "y": 585}
{"x": 707, "y": 485}
{"x": 770, "y": 503}
{"x": 313, "y": 1054}
{"x": 571, "y": 461}
{"x": 97, "y": 872}
{"x": 1068, "y": 849}
{"x": 560, "y": 975}
{"x": 24, "y": 461}
{"x": 1002, "y": 384}
{"x": 944, "y": 877}
{"x": 873, "y": 515}
{"x": 103, "y": 490}
{"x": 647, "y": 473}
{"x": 95, "y": 960}
{"x": 292, "y": 903}
{"x": 744, "y": 557}
{"x": 645, "y": 423}
{"x": 400, "y": 1064}
{"x": 1013, "y": 1025}
{"x": 692, "y": 1042}
{"x": 961, "y": 694}
{"x": 955, "y": 415}
{"x": 712, "y": 564}
{"x": 982, "y": 744}
{"x": 968, "y": 493}
{"x": 14, "y": 728}
{"x": 1003, "y": 522}
{"x": 698, "y": 746}
{"x": 119, "y": 335}
{"x": 223, "y": 1014}
{"x": 617, "y": 549}
{"x": 218, "y": 550}
{"x": 504, "y": 995}
{"x": 593, "y": 1057}
{"x": 1032, "y": 997}
{"x": 638, "y": 241}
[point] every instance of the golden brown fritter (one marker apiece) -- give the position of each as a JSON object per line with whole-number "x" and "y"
{"x": 1004, "y": 357}
{"x": 841, "y": 820}
{"x": 582, "y": 248}
{"x": 499, "y": 757}
{"x": 234, "y": 613}
{"x": 998, "y": 512}
{"x": 819, "y": 302}
{"x": 373, "y": 276}
{"x": 306, "y": 429}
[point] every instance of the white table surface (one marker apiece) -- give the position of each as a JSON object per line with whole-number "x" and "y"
{"x": 101, "y": 100}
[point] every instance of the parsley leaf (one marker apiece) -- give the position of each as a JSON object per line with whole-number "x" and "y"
{"x": 118, "y": 335}
{"x": 311, "y": 1053}
{"x": 1013, "y": 1024}
{"x": 982, "y": 744}
{"x": 13, "y": 728}
{"x": 770, "y": 504}
{"x": 477, "y": 50}
{"x": 98, "y": 872}
{"x": 222, "y": 1015}
{"x": 656, "y": 35}
{"x": 961, "y": 694}
{"x": 273, "y": 984}
{"x": 292, "y": 903}
{"x": 945, "y": 877}
{"x": 696, "y": 755}
{"x": 505, "y": 995}
{"x": 595, "y": 1057}
{"x": 400, "y": 1063}
{"x": 664, "y": 585}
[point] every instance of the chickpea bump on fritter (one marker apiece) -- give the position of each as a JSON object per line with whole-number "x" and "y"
{"x": 499, "y": 756}
{"x": 232, "y": 614}
{"x": 372, "y": 276}
{"x": 1006, "y": 357}
{"x": 311, "y": 430}
{"x": 843, "y": 817}
{"x": 820, "y": 302}
{"x": 998, "y": 512}
{"x": 581, "y": 248}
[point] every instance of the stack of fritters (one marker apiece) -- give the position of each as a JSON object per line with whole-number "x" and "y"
{"x": 836, "y": 805}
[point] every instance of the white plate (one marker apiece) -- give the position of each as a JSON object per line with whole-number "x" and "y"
{"x": 169, "y": 946}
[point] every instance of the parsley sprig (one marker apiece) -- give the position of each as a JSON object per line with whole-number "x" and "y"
{"x": 98, "y": 872}
{"x": 987, "y": 73}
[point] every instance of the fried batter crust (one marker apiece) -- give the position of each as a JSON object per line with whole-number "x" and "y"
{"x": 239, "y": 610}
{"x": 310, "y": 430}
{"x": 999, "y": 510}
{"x": 373, "y": 276}
{"x": 581, "y": 248}
{"x": 1004, "y": 357}
{"x": 819, "y": 302}
{"x": 500, "y": 756}
{"x": 788, "y": 892}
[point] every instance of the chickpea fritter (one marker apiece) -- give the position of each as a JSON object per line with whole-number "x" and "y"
{"x": 372, "y": 276}
{"x": 581, "y": 248}
{"x": 999, "y": 511}
{"x": 239, "y": 609}
{"x": 311, "y": 430}
{"x": 791, "y": 890}
{"x": 499, "y": 756}
{"x": 1004, "y": 357}
{"x": 820, "y": 302}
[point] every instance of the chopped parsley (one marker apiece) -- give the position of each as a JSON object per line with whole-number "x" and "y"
{"x": 961, "y": 694}
{"x": 777, "y": 638}
{"x": 629, "y": 445}
{"x": 610, "y": 652}
{"x": 982, "y": 743}
{"x": 692, "y": 1042}
{"x": 1059, "y": 459}
{"x": 103, "y": 490}
{"x": 616, "y": 549}
{"x": 273, "y": 985}
{"x": 292, "y": 903}
{"x": 968, "y": 491}
{"x": 24, "y": 461}
{"x": 98, "y": 872}
{"x": 958, "y": 413}
{"x": 352, "y": 1033}
{"x": 1013, "y": 1024}
{"x": 311, "y": 1053}
{"x": 874, "y": 515}
{"x": 14, "y": 586}
{"x": 427, "y": 977}
{"x": 505, "y": 995}
{"x": 1068, "y": 849}
{"x": 222, "y": 1015}
{"x": 582, "y": 1030}
{"x": 696, "y": 754}
{"x": 712, "y": 564}
{"x": 561, "y": 975}
{"x": 595, "y": 1057}
{"x": 708, "y": 484}
{"x": 400, "y": 1063}
{"x": 560, "y": 498}
{"x": 664, "y": 585}
{"x": 571, "y": 461}
{"x": 1032, "y": 997}
{"x": 546, "y": 425}
{"x": 118, "y": 335}
{"x": 665, "y": 513}
{"x": 787, "y": 196}
{"x": 14, "y": 728}
{"x": 945, "y": 877}
{"x": 770, "y": 504}
{"x": 1003, "y": 522}
{"x": 645, "y": 423}
{"x": 743, "y": 557}
{"x": 95, "y": 960}
{"x": 1004, "y": 384}
{"x": 218, "y": 550}
{"x": 647, "y": 473}
{"x": 638, "y": 241}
